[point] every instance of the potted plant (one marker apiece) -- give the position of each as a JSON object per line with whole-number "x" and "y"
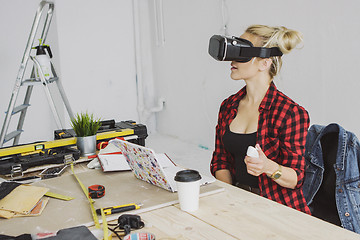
{"x": 85, "y": 127}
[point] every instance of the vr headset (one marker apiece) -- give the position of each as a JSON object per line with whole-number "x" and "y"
{"x": 238, "y": 49}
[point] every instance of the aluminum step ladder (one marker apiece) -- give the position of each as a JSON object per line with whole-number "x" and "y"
{"x": 35, "y": 79}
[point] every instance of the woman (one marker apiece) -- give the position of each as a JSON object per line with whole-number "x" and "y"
{"x": 259, "y": 115}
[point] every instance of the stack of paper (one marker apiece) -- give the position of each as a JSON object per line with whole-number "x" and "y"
{"x": 24, "y": 200}
{"x": 113, "y": 162}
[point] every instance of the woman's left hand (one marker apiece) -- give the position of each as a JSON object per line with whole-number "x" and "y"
{"x": 257, "y": 166}
{"x": 260, "y": 165}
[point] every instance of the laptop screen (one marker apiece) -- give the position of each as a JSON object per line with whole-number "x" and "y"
{"x": 143, "y": 163}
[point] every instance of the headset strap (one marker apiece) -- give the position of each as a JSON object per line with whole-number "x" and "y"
{"x": 260, "y": 52}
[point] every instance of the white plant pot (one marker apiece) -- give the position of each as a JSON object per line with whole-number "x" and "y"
{"x": 86, "y": 145}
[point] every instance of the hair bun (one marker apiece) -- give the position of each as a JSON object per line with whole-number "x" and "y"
{"x": 287, "y": 39}
{"x": 283, "y": 38}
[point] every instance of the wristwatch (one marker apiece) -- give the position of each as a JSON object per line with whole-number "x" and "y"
{"x": 277, "y": 173}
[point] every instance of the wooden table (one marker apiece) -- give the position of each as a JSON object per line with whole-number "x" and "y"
{"x": 238, "y": 214}
{"x": 226, "y": 212}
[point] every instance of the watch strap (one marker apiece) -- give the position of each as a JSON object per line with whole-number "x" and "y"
{"x": 276, "y": 173}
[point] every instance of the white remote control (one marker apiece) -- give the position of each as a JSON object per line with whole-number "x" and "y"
{"x": 252, "y": 152}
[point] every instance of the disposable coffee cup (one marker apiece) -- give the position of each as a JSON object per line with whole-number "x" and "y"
{"x": 188, "y": 187}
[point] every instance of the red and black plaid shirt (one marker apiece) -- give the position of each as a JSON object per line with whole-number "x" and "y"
{"x": 281, "y": 133}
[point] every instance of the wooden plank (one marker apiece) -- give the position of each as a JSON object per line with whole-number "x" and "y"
{"x": 6, "y": 214}
{"x": 22, "y": 199}
{"x": 248, "y": 216}
{"x": 120, "y": 188}
{"x": 37, "y": 210}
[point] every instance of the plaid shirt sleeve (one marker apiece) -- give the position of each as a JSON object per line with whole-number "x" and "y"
{"x": 282, "y": 130}
{"x": 292, "y": 139}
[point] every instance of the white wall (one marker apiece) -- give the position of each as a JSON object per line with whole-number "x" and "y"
{"x": 322, "y": 76}
{"x": 93, "y": 45}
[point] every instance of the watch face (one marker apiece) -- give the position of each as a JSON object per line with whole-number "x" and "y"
{"x": 277, "y": 175}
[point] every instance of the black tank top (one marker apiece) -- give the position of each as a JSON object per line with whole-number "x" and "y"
{"x": 237, "y": 144}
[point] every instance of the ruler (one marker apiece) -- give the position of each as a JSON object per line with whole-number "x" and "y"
{"x": 58, "y": 196}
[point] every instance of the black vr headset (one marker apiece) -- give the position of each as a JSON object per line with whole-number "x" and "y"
{"x": 238, "y": 49}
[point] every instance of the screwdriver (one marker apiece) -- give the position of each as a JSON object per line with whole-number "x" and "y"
{"x": 118, "y": 209}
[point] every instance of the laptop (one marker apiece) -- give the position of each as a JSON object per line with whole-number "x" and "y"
{"x": 147, "y": 166}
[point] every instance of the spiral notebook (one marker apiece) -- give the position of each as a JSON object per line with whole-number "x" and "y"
{"x": 146, "y": 166}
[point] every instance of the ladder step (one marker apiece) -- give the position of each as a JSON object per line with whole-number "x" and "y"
{"x": 20, "y": 108}
{"x": 12, "y": 135}
{"x": 30, "y": 81}
{"x": 34, "y": 81}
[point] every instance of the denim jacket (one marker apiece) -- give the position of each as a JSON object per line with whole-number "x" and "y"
{"x": 347, "y": 189}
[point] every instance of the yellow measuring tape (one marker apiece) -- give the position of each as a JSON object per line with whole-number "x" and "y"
{"x": 93, "y": 212}
{"x": 105, "y": 226}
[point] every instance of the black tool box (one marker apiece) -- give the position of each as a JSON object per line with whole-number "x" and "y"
{"x": 19, "y": 158}
{"x": 16, "y": 164}
{"x": 110, "y": 129}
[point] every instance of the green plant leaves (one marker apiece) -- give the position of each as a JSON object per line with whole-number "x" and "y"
{"x": 85, "y": 125}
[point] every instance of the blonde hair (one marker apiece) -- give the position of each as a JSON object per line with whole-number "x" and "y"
{"x": 281, "y": 37}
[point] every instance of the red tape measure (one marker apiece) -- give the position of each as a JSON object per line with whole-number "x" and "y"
{"x": 96, "y": 191}
{"x": 102, "y": 145}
